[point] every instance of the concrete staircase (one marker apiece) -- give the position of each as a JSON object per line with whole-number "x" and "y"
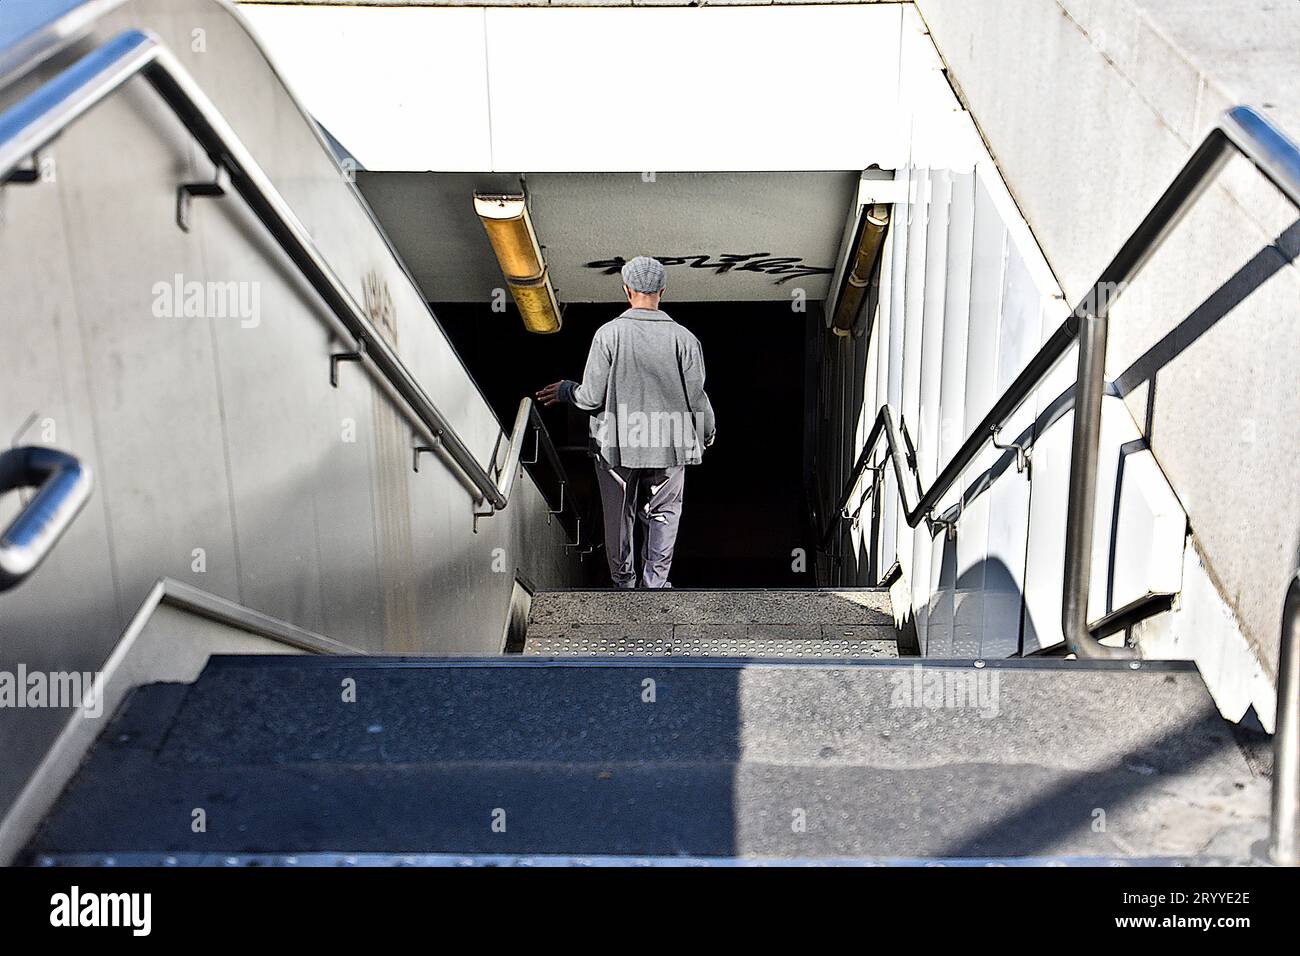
{"x": 852, "y": 624}
{"x": 302, "y": 760}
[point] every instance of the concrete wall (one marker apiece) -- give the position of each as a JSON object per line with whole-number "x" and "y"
{"x": 223, "y": 458}
{"x": 1089, "y": 108}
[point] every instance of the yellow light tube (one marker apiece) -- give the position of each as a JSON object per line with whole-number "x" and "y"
{"x": 870, "y": 240}
{"x": 510, "y": 230}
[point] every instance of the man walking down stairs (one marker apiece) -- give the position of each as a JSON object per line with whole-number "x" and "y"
{"x": 645, "y": 376}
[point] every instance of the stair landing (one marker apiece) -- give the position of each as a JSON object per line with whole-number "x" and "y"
{"x": 849, "y": 624}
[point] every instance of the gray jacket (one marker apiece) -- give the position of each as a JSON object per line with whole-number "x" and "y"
{"x": 645, "y": 373}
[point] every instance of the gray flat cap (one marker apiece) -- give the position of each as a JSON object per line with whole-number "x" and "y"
{"x": 644, "y": 274}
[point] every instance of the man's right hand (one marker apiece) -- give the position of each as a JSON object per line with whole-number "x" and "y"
{"x": 550, "y": 395}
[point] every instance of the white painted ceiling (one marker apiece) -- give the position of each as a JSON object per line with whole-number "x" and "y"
{"x": 598, "y": 88}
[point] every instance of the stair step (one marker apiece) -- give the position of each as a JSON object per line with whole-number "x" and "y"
{"x": 845, "y": 641}
{"x": 865, "y": 607}
{"x": 716, "y": 809}
{"x": 667, "y": 757}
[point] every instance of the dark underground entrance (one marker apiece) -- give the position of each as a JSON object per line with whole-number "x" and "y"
{"x": 745, "y": 520}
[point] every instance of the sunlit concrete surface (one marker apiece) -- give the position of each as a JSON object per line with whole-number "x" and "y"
{"x": 578, "y": 764}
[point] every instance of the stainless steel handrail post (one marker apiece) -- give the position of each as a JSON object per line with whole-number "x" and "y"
{"x": 1088, "y": 388}
{"x": 1284, "y": 829}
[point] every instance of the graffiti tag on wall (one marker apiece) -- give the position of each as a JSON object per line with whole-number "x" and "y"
{"x": 784, "y": 268}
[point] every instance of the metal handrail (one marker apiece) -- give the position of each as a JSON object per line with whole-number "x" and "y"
{"x": 527, "y": 418}
{"x": 884, "y": 426}
{"x": 510, "y": 470}
{"x": 1241, "y": 129}
{"x": 34, "y": 121}
{"x": 547, "y": 448}
{"x": 64, "y": 485}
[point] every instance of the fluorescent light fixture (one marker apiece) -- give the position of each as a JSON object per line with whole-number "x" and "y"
{"x": 871, "y": 237}
{"x": 510, "y": 230}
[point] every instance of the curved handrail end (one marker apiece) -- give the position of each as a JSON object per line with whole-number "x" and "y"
{"x": 65, "y": 485}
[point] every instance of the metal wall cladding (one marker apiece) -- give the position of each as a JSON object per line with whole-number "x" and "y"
{"x": 962, "y": 308}
{"x": 959, "y": 315}
{"x": 222, "y": 455}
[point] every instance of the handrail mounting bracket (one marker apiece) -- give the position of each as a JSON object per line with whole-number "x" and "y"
{"x": 1022, "y": 451}
{"x": 25, "y": 175}
{"x": 337, "y": 357}
{"x": 187, "y": 191}
{"x": 419, "y": 450}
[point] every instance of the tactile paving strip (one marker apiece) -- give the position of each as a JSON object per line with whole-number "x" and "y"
{"x": 582, "y": 645}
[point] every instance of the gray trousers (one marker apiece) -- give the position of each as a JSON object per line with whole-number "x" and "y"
{"x": 651, "y": 497}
